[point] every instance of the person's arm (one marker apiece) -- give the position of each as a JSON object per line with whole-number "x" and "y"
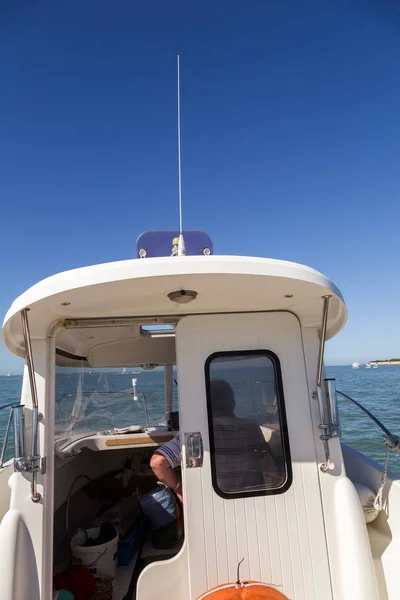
{"x": 164, "y": 472}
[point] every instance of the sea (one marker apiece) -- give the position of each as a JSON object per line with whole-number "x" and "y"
{"x": 377, "y": 389}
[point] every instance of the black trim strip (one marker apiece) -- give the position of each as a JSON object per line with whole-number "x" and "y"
{"x": 70, "y": 356}
{"x": 282, "y": 421}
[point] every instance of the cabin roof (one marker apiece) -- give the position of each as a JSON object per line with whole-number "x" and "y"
{"x": 140, "y": 288}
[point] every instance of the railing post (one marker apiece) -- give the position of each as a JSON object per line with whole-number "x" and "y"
{"x": 324, "y": 426}
{"x": 34, "y": 458}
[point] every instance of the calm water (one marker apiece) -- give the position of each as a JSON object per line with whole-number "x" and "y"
{"x": 377, "y": 389}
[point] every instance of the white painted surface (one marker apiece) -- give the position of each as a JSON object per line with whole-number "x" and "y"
{"x": 281, "y": 537}
{"x": 132, "y": 351}
{"x": 337, "y": 533}
{"x": 166, "y": 579}
{"x": 384, "y": 532}
{"x": 18, "y": 566}
{"x": 31, "y": 523}
{"x": 140, "y": 288}
{"x": 5, "y": 492}
{"x": 357, "y": 576}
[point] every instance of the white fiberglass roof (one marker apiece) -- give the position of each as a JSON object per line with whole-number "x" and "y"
{"x": 140, "y": 288}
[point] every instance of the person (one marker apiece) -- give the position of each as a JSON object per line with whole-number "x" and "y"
{"x": 241, "y": 454}
{"x": 163, "y": 463}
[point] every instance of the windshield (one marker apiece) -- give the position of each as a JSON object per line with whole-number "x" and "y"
{"x": 91, "y": 401}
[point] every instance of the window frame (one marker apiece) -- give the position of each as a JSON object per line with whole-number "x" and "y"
{"x": 282, "y": 422}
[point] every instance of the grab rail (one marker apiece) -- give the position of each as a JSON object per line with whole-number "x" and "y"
{"x": 324, "y": 425}
{"x": 31, "y": 463}
{"x": 17, "y": 418}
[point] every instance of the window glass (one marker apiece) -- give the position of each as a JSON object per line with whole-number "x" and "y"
{"x": 90, "y": 401}
{"x": 248, "y": 433}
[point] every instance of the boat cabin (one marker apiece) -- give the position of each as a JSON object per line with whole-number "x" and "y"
{"x": 227, "y": 352}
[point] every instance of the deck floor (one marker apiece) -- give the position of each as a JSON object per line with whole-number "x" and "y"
{"x": 124, "y": 575}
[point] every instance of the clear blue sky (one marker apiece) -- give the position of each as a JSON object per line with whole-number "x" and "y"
{"x": 290, "y": 141}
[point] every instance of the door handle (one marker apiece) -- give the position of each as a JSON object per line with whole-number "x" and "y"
{"x": 194, "y": 450}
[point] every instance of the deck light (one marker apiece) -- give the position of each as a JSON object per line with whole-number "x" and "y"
{"x": 182, "y": 296}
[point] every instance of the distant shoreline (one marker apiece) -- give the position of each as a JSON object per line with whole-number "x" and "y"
{"x": 385, "y": 362}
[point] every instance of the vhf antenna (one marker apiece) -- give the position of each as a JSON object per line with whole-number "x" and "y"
{"x": 181, "y": 251}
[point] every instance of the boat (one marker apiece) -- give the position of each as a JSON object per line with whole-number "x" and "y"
{"x": 275, "y": 505}
{"x": 355, "y": 365}
{"x": 375, "y": 366}
{"x": 9, "y": 374}
{"x": 310, "y": 518}
{"x": 367, "y": 365}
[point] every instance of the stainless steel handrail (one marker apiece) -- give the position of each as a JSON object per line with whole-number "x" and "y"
{"x": 19, "y": 432}
{"x": 146, "y": 410}
{"x": 29, "y": 357}
{"x": 34, "y": 458}
{"x": 325, "y": 435}
{"x": 323, "y": 337}
{"x": 5, "y": 443}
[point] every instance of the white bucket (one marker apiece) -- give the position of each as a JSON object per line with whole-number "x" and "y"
{"x": 101, "y": 559}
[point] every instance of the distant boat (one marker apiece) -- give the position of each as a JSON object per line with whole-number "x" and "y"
{"x": 355, "y": 365}
{"x": 375, "y": 366}
{"x": 9, "y": 374}
{"x": 367, "y": 365}
{"x": 123, "y": 371}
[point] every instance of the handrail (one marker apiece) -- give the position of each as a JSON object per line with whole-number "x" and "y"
{"x": 11, "y": 406}
{"x": 393, "y": 440}
{"x": 324, "y": 323}
{"x": 5, "y": 443}
{"x": 29, "y": 357}
{"x": 325, "y": 435}
{"x": 34, "y": 458}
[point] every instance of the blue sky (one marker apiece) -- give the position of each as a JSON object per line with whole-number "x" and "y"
{"x": 290, "y": 141}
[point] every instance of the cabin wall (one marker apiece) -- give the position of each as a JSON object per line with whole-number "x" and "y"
{"x": 350, "y": 557}
{"x": 280, "y": 536}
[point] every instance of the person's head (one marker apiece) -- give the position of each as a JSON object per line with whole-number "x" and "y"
{"x": 222, "y": 398}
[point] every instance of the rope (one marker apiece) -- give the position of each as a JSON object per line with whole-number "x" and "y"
{"x": 378, "y": 502}
{"x": 392, "y": 442}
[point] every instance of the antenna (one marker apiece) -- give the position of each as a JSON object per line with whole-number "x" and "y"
{"x": 181, "y": 251}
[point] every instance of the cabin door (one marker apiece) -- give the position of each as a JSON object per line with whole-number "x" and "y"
{"x": 253, "y": 493}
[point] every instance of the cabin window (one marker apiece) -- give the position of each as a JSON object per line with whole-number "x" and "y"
{"x": 249, "y": 443}
{"x": 92, "y": 400}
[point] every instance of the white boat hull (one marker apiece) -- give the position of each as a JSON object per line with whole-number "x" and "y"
{"x": 384, "y": 532}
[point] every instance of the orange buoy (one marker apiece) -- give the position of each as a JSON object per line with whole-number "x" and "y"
{"x": 244, "y": 590}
